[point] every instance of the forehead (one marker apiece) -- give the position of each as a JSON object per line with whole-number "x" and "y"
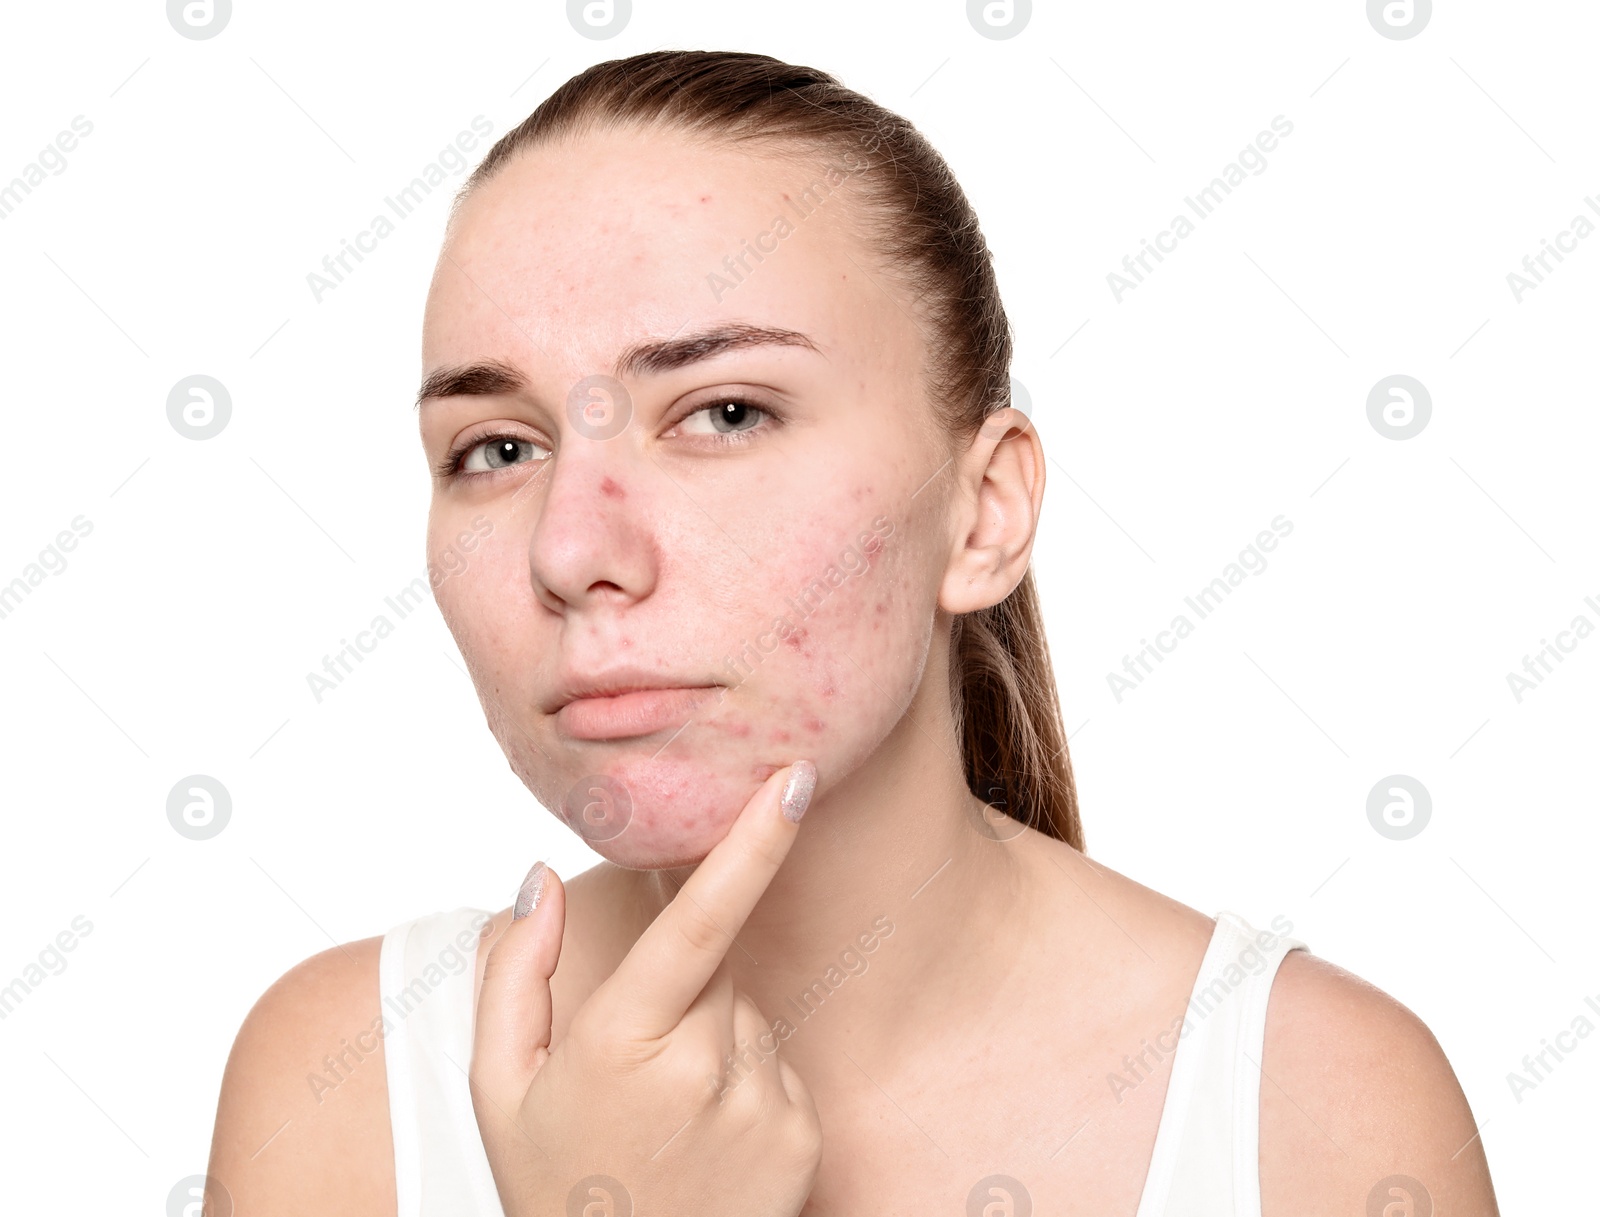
{"x": 579, "y": 248}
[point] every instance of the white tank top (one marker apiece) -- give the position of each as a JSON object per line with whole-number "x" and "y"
{"x": 1205, "y": 1162}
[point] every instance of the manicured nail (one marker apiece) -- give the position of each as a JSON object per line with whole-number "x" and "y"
{"x": 797, "y": 790}
{"x": 528, "y": 895}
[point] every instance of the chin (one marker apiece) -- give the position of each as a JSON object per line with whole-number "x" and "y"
{"x": 655, "y": 813}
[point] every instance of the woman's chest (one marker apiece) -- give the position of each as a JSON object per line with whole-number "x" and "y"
{"x": 998, "y": 1134}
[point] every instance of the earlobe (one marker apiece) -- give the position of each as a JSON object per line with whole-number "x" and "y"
{"x": 1001, "y": 489}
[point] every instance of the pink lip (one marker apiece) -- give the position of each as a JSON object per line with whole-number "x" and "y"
{"x": 626, "y": 715}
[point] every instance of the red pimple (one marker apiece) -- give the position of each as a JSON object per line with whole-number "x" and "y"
{"x": 611, "y": 490}
{"x": 813, "y": 724}
{"x": 780, "y": 736}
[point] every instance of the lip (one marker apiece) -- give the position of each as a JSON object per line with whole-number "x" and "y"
{"x": 572, "y": 683}
{"x": 632, "y": 712}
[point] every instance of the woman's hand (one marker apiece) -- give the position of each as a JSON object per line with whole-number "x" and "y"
{"x": 634, "y": 1091}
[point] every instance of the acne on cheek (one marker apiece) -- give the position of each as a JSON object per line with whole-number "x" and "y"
{"x": 840, "y": 660}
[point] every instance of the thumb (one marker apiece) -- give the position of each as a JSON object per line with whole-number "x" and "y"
{"x": 511, "y": 1039}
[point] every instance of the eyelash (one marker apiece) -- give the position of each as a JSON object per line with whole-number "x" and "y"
{"x": 450, "y": 465}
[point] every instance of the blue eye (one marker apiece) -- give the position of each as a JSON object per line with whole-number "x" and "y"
{"x": 725, "y": 416}
{"x": 487, "y": 454}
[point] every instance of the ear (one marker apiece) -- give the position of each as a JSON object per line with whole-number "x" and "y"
{"x": 995, "y": 512}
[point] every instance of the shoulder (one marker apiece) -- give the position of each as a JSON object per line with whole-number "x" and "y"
{"x": 1356, "y": 1091}
{"x": 1355, "y": 1088}
{"x": 303, "y": 1117}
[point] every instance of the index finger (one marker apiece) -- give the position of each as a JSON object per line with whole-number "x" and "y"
{"x": 679, "y": 951}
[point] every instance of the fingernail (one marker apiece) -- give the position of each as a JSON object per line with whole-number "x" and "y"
{"x": 528, "y": 895}
{"x": 797, "y": 790}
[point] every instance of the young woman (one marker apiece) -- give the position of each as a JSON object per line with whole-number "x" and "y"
{"x": 716, "y": 384}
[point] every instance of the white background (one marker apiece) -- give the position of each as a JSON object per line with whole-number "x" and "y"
{"x": 1227, "y": 389}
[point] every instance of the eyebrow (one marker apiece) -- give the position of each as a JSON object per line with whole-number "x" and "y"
{"x": 492, "y": 376}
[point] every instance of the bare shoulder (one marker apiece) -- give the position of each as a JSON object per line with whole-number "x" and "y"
{"x": 1358, "y": 1099}
{"x": 303, "y": 1117}
{"x": 1357, "y": 1096}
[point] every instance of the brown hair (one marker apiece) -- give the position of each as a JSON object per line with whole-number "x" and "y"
{"x": 916, "y": 216}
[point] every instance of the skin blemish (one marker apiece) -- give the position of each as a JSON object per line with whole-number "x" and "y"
{"x": 795, "y": 638}
{"x": 813, "y": 725}
{"x": 611, "y": 490}
{"x": 780, "y": 736}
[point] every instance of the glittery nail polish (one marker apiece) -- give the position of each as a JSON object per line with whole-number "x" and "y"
{"x": 797, "y": 790}
{"x": 528, "y": 895}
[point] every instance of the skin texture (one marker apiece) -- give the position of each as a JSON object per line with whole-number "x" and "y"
{"x": 979, "y": 1034}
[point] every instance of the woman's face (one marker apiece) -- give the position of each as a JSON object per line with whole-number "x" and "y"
{"x": 614, "y": 521}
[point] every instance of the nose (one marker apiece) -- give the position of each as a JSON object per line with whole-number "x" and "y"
{"x": 592, "y": 541}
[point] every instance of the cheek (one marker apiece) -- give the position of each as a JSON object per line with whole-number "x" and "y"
{"x": 841, "y": 658}
{"x": 486, "y": 601}
{"x": 476, "y": 596}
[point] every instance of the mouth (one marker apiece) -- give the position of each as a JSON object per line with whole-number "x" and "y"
{"x": 636, "y": 712}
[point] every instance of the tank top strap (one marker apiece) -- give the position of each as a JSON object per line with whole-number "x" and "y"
{"x": 426, "y": 970}
{"x": 1206, "y": 1159}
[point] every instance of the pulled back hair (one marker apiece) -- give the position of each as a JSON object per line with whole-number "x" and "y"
{"x": 915, "y": 216}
